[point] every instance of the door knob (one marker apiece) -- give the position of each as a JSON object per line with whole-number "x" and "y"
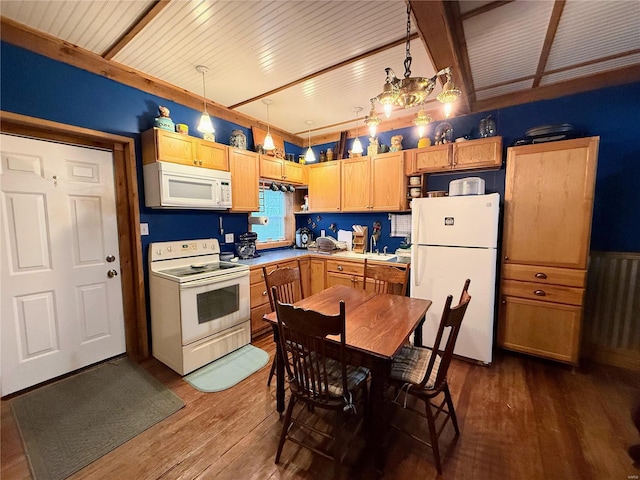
{"x": 112, "y": 273}
{"x": 110, "y": 258}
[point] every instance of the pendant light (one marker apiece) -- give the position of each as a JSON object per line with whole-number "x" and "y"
{"x": 309, "y": 157}
{"x": 372, "y": 121}
{"x": 421, "y": 121}
{"x": 357, "y": 146}
{"x": 268, "y": 139}
{"x": 205, "y": 126}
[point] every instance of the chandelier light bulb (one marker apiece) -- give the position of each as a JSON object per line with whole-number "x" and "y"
{"x": 421, "y": 121}
{"x": 448, "y": 107}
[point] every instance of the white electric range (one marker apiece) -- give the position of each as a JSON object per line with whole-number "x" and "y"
{"x": 200, "y": 306}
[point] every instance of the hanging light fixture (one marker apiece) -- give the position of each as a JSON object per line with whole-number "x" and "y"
{"x": 357, "y": 146}
{"x": 413, "y": 91}
{"x": 309, "y": 157}
{"x": 205, "y": 126}
{"x": 421, "y": 121}
{"x": 372, "y": 120}
{"x": 268, "y": 139}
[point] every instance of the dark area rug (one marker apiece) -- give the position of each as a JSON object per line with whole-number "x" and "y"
{"x": 70, "y": 423}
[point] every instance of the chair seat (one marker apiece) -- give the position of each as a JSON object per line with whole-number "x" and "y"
{"x": 355, "y": 376}
{"x": 410, "y": 366}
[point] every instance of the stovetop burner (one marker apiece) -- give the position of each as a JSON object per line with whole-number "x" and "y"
{"x": 197, "y": 269}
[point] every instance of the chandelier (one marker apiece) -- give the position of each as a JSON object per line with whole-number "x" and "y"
{"x": 411, "y": 91}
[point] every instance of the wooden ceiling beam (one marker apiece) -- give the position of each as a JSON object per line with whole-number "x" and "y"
{"x": 556, "y": 14}
{"x": 594, "y": 81}
{"x": 24, "y": 37}
{"x": 138, "y": 25}
{"x": 443, "y": 38}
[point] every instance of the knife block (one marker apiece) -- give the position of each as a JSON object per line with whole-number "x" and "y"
{"x": 360, "y": 241}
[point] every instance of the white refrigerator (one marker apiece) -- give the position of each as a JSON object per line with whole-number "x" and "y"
{"x": 455, "y": 238}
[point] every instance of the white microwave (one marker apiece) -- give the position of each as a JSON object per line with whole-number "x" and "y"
{"x": 171, "y": 185}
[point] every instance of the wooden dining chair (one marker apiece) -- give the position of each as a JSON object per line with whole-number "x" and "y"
{"x": 417, "y": 371}
{"x": 385, "y": 278}
{"x": 288, "y": 283}
{"x": 319, "y": 376}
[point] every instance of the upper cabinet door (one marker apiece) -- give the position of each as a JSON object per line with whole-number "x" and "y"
{"x": 548, "y": 203}
{"x": 481, "y": 153}
{"x": 160, "y": 145}
{"x": 271, "y": 167}
{"x": 356, "y": 184}
{"x": 245, "y": 172}
{"x": 432, "y": 159}
{"x": 293, "y": 173}
{"x": 212, "y": 155}
{"x": 324, "y": 187}
{"x": 387, "y": 182}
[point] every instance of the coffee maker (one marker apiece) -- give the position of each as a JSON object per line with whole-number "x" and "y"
{"x": 246, "y": 246}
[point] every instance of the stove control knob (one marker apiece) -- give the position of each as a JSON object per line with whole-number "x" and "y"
{"x": 159, "y": 252}
{"x": 169, "y": 248}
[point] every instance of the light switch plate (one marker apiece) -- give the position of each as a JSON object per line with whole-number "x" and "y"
{"x": 228, "y": 238}
{"x": 144, "y": 229}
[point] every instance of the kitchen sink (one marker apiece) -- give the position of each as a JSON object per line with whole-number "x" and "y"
{"x": 380, "y": 257}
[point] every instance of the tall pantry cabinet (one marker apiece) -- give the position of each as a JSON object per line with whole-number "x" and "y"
{"x": 547, "y": 227}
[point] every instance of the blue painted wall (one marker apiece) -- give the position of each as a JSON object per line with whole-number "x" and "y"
{"x": 37, "y": 86}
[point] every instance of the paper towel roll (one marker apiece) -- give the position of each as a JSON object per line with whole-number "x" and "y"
{"x": 258, "y": 220}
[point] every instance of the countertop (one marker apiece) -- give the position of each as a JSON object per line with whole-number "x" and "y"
{"x": 269, "y": 256}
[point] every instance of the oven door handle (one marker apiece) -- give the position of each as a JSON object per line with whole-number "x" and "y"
{"x": 214, "y": 279}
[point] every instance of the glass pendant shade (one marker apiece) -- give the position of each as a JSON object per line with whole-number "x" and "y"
{"x": 372, "y": 120}
{"x": 357, "y": 146}
{"x": 268, "y": 142}
{"x": 309, "y": 157}
{"x": 205, "y": 125}
{"x": 268, "y": 139}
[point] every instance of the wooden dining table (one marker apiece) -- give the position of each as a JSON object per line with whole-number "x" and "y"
{"x": 377, "y": 326}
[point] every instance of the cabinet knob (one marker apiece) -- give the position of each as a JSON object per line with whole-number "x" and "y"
{"x": 264, "y": 294}
{"x": 506, "y": 257}
{"x": 539, "y": 293}
{"x": 541, "y": 275}
{"x": 340, "y": 267}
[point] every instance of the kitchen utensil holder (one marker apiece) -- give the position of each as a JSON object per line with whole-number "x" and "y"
{"x": 360, "y": 240}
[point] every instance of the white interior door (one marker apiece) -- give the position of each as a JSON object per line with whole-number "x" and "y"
{"x": 61, "y": 299}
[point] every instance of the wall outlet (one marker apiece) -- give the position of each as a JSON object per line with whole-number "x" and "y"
{"x": 144, "y": 229}
{"x": 228, "y": 238}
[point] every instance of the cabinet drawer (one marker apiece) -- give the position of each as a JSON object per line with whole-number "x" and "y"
{"x": 259, "y": 294}
{"x": 345, "y": 267}
{"x": 545, "y": 275}
{"x": 542, "y": 292}
{"x": 353, "y": 281}
{"x": 548, "y": 330}
{"x": 257, "y": 324}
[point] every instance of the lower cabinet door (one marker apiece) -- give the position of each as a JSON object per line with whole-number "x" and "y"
{"x": 258, "y": 325}
{"x": 546, "y": 329}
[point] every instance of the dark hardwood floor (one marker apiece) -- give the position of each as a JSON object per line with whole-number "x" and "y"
{"x": 519, "y": 418}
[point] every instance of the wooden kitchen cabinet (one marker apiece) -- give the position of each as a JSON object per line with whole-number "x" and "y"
{"x": 547, "y": 228}
{"x": 245, "y": 178}
{"x": 212, "y": 155}
{"x": 477, "y": 154}
{"x": 375, "y": 183}
{"x": 467, "y": 155}
{"x": 260, "y": 305}
{"x": 316, "y": 271}
{"x": 282, "y": 170}
{"x": 324, "y": 187}
{"x": 305, "y": 275}
{"x": 347, "y": 273}
{"x": 436, "y": 158}
{"x": 159, "y": 145}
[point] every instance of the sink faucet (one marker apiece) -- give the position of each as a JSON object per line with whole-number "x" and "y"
{"x": 384, "y": 250}
{"x": 373, "y": 243}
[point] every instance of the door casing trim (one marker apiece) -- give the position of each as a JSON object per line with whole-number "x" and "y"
{"x": 127, "y": 209}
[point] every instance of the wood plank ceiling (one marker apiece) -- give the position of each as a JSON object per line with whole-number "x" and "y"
{"x": 318, "y": 60}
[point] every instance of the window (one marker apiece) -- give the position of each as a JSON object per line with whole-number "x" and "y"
{"x": 277, "y": 207}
